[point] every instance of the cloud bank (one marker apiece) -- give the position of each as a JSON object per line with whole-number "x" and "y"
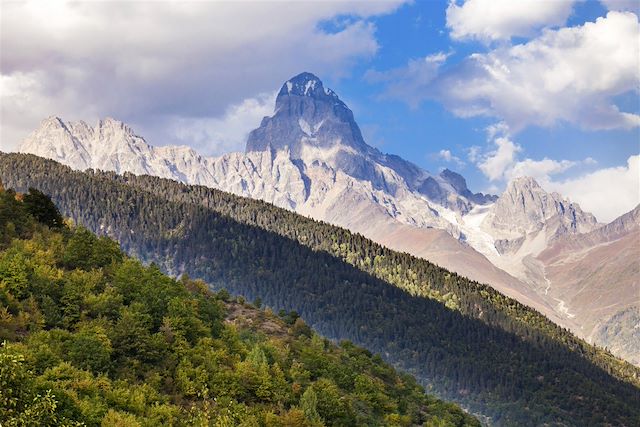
{"x": 607, "y": 193}
{"x": 571, "y": 75}
{"x": 171, "y": 61}
{"x": 490, "y": 20}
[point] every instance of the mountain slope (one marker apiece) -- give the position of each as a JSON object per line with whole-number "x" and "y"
{"x": 604, "y": 262}
{"x": 93, "y": 338}
{"x": 452, "y": 334}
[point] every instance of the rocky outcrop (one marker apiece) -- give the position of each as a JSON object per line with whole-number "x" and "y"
{"x": 525, "y": 208}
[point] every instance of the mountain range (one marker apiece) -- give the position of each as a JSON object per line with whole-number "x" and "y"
{"x": 310, "y": 157}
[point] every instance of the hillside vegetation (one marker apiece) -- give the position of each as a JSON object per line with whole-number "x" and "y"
{"x": 92, "y": 337}
{"x": 464, "y": 340}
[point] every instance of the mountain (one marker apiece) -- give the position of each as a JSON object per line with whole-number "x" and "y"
{"x": 91, "y": 337}
{"x": 310, "y": 157}
{"x": 589, "y": 272}
{"x": 311, "y": 147}
{"x": 525, "y": 208}
{"x": 448, "y": 331}
{"x": 524, "y": 221}
{"x": 604, "y": 263}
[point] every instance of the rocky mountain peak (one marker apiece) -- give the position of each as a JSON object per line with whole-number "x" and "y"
{"x": 55, "y": 139}
{"x": 526, "y": 207}
{"x": 455, "y": 179}
{"x": 459, "y": 184}
{"x": 307, "y": 115}
{"x": 52, "y": 122}
{"x": 110, "y": 125}
{"x": 314, "y": 127}
{"x": 522, "y": 183}
{"x": 305, "y": 84}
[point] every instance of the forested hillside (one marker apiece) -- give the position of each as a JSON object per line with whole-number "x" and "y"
{"x": 91, "y": 337}
{"x": 463, "y": 339}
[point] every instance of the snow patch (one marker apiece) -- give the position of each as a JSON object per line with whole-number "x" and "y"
{"x": 563, "y": 309}
{"x": 311, "y": 85}
{"x": 304, "y": 125}
{"x": 309, "y": 129}
{"x": 469, "y": 225}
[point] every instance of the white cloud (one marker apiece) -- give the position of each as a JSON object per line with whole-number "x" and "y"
{"x": 541, "y": 170}
{"x": 490, "y": 20}
{"x": 447, "y": 156}
{"x": 496, "y": 163}
{"x": 410, "y": 82}
{"x": 473, "y": 153}
{"x": 625, "y": 5}
{"x": 571, "y": 75}
{"x": 143, "y": 62}
{"x": 590, "y": 161}
{"x": 228, "y": 133}
{"x": 607, "y": 193}
{"x": 502, "y": 163}
{"x": 496, "y": 129}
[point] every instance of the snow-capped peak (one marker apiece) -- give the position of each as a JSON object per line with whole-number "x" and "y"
{"x": 304, "y": 84}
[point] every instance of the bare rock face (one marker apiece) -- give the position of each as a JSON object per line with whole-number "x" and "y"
{"x": 525, "y": 208}
{"x": 509, "y": 246}
{"x": 306, "y": 157}
{"x": 316, "y": 127}
{"x": 621, "y": 334}
{"x": 55, "y": 140}
{"x": 460, "y": 185}
{"x": 307, "y": 114}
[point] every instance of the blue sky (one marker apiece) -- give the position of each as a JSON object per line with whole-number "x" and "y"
{"x": 491, "y": 88}
{"x": 420, "y": 132}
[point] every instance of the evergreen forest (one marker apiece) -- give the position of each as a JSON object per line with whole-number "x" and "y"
{"x": 461, "y": 339}
{"x": 92, "y": 337}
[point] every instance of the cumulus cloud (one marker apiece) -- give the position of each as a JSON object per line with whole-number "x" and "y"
{"x": 228, "y": 133}
{"x": 473, "y": 153}
{"x": 490, "y": 20}
{"x": 541, "y": 170}
{"x": 625, "y": 5}
{"x": 607, "y": 193}
{"x": 496, "y": 163}
{"x": 146, "y": 62}
{"x": 502, "y": 162}
{"x": 449, "y": 157}
{"x": 571, "y": 75}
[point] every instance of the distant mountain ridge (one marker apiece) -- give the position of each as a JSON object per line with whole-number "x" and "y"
{"x": 525, "y": 207}
{"x": 310, "y": 157}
